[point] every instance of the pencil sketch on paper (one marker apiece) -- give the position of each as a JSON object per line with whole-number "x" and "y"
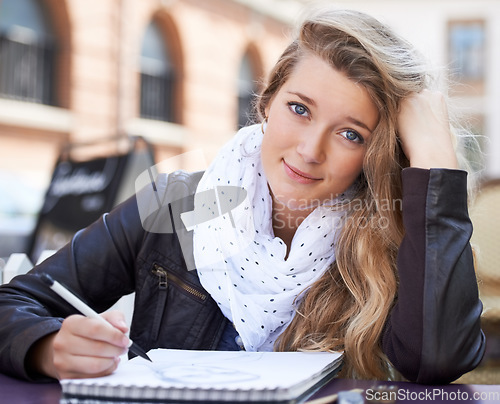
{"x": 196, "y": 374}
{"x": 230, "y": 368}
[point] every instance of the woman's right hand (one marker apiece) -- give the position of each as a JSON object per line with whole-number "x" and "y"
{"x": 82, "y": 348}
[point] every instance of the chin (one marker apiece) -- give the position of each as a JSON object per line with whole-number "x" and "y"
{"x": 298, "y": 204}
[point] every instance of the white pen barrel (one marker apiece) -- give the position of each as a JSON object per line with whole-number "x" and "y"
{"x": 75, "y": 301}
{"x": 86, "y": 310}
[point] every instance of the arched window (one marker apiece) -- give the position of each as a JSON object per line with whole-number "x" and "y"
{"x": 247, "y": 88}
{"x": 27, "y": 52}
{"x": 157, "y": 77}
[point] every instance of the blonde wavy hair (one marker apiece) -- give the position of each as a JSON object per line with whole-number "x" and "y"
{"x": 348, "y": 307}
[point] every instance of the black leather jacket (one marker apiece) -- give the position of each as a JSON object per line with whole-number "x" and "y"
{"x": 433, "y": 334}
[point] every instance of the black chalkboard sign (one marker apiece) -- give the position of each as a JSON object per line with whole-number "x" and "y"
{"x": 81, "y": 191}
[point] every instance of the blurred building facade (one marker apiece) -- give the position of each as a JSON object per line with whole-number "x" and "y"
{"x": 171, "y": 71}
{"x": 181, "y": 73}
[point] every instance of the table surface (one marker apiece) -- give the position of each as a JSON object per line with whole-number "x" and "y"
{"x": 22, "y": 392}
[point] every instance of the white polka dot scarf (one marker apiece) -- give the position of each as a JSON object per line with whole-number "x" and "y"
{"x": 238, "y": 259}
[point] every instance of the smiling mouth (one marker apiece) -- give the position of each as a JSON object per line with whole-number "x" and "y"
{"x": 298, "y": 175}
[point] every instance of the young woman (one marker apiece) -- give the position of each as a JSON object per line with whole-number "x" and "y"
{"x": 353, "y": 234}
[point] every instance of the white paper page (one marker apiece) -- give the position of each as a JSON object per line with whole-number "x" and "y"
{"x": 218, "y": 369}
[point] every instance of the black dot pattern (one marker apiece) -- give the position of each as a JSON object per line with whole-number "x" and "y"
{"x": 243, "y": 266}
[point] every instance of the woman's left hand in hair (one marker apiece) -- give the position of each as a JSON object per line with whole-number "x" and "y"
{"x": 424, "y": 131}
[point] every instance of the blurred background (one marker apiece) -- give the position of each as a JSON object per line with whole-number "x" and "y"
{"x": 181, "y": 74}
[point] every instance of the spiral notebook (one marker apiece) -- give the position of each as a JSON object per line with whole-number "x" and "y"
{"x": 186, "y": 376}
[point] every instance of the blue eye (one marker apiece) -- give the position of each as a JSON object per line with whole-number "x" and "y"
{"x": 352, "y": 136}
{"x": 298, "y": 109}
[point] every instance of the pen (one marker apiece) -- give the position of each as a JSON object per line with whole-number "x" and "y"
{"x": 85, "y": 310}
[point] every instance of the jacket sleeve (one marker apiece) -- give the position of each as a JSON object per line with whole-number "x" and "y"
{"x": 101, "y": 264}
{"x": 98, "y": 264}
{"x": 433, "y": 333}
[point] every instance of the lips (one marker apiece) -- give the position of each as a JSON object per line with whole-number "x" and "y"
{"x": 299, "y": 176}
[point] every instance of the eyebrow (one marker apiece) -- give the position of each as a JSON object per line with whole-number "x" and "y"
{"x": 303, "y": 97}
{"x": 310, "y": 101}
{"x": 359, "y": 123}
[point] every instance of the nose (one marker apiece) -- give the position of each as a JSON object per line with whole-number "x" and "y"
{"x": 312, "y": 146}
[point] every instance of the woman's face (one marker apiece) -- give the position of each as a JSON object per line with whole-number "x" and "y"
{"x": 319, "y": 124}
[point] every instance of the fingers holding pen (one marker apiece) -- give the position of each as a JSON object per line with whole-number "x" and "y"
{"x": 72, "y": 367}
{"x": 87, "y": 347}
{"x": 116, "y": 319}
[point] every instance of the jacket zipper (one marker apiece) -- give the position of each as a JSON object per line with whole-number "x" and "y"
{"x": 162, "y": 299}
{"x": 163, "y": 278}
{"x": 179, "y": 282}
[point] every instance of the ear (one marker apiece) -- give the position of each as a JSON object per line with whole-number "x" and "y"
{"x": 267, "y": 109}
